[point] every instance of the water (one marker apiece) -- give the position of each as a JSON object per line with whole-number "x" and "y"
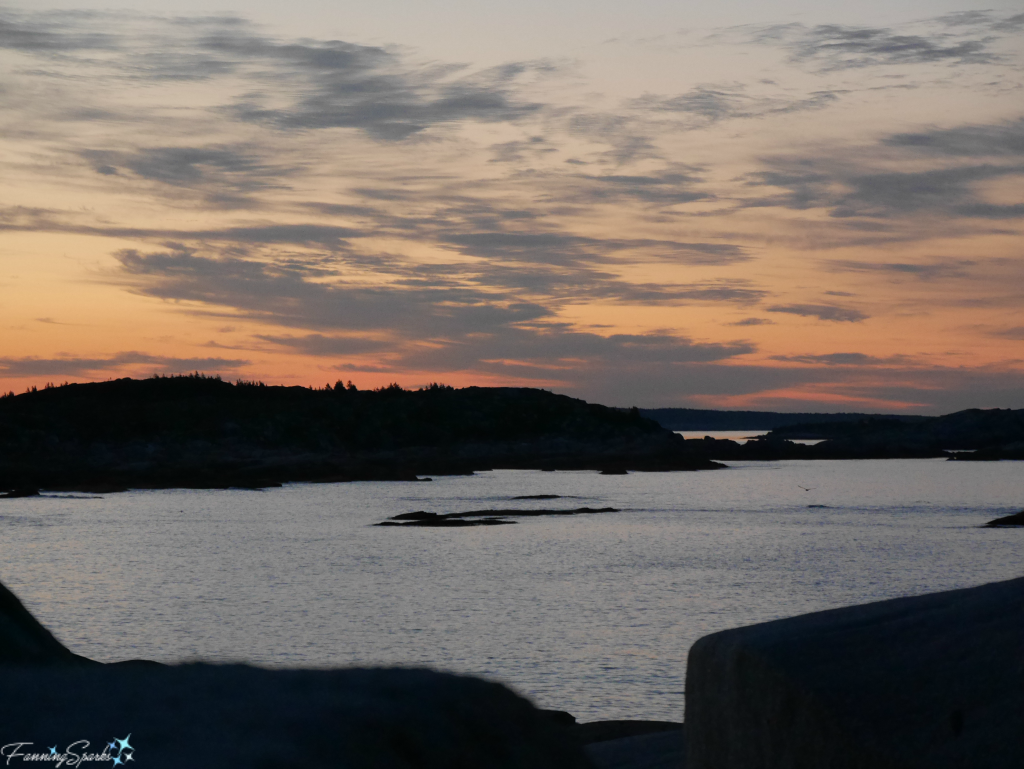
{"x": 591, "y": 614}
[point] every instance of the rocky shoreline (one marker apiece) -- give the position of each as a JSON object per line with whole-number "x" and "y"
{"x": 924, "y": 682}
{"x": 396, "y": 717}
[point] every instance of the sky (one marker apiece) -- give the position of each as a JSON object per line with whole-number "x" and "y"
{"x": 786, "y": 206}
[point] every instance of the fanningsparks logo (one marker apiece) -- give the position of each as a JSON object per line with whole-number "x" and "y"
{"x": 118, "y": 752}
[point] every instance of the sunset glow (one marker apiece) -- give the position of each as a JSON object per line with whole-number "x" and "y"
{"x": 796, "y": 213}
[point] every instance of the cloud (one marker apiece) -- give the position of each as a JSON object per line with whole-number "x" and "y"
{"x": 381, "y": 236}
{"x": 284, "y": 294}
{"x": 71, "y": 366}
{"x": 714, "y": 103}
{"x": 542, "y": 351}
{"x": 293, "y": 85}
{"x": 1005, "y": 139}
{"x": 295, "y": 293}
{"x": 52, "y": 33}
{"x": 856, "y": 191}
{"x": 934, "y": 270}
{"x": 843, "y": 359}
{"x": 320, "y": 345}
{"x": 239, "y": 166}
{"x": 1016, "y": 332}
{"x": 342, "y": 85}
{"x": 415, "y": 326}
{"x": 665, "y": 188}
{"x": 545, "y": 267}
{"x": 837, "y": 47}
{"x": 820, "y": 311}
{"x": 567, "y": 248}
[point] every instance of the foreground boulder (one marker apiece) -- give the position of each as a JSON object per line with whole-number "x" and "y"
{"x": 24, "y": 641}
{"x": 225, "y": 716}
{"x": 57, "y": 707}
{"x": 933, "y": 681}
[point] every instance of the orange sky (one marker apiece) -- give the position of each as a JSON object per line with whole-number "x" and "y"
{"x": 787, "y": 216}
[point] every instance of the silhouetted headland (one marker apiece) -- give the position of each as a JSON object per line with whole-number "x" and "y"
{"x": 712, "y": 420}
{"x": 201, "y": 432}
{"x": 970, "y": 435}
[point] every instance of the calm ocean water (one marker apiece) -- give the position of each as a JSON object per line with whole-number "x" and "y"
{"x": 591, "y": 614}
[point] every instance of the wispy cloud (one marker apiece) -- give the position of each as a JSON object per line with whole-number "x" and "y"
{"x": 352, "y": 207}
{"x": 833, "y": 47}
{"x": 713, "y": 103}
{"x": 1016, "y": 332}
{"x": 844, "y": 359}
{"x": 820, "y": 311}
{"x": 935, "y": 269}
{"x": 847, "y": 191}
{"x": 71, "y": 366}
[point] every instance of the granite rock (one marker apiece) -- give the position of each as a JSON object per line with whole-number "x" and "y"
{"x": 931, "y": 681}
{"x": 24, "y": 641}
{"x": 220, "y": 716}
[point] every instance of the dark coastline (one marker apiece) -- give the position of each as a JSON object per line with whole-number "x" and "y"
{"x": 201, "y": 432}
{"x": 693, "y": 420}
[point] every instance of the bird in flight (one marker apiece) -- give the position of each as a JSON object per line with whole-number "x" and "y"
{"x": 806, "y": 488}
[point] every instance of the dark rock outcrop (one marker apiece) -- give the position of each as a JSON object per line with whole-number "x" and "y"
{"x": 654, "y": 750}
{"x": 219, "y": 716}
{"x": 602, "y": 731}
{"x": 481, "y": 517}
{"x": 1017, "y": 519}
{"x": 23, "y": 641}
{"x": 439, "y": 522}
{"x": 933, "y": 681}
{"x": 20, "y": 493}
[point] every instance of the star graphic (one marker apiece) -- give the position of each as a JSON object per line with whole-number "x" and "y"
{"x": 123, "y": 744}
{"x": 53, "y": 750}
{"x": 112, "y": 745}
{"x": 117, "y": 760}
{"x": 128, "y": 758}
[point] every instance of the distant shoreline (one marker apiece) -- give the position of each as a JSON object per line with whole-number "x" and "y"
{"x": 713, "y": 420}
{"x": 200, "y": 432}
